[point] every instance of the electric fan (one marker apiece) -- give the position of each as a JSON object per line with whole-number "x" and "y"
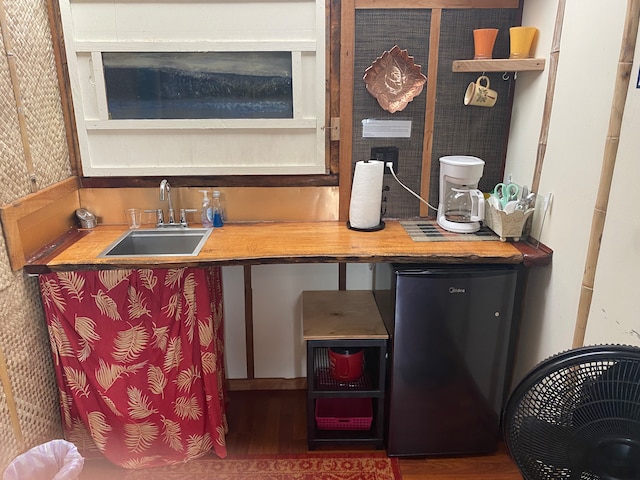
{"x": 577, "y": 416}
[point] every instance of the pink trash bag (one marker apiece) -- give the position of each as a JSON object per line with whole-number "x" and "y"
{"x": 54, "y": 460}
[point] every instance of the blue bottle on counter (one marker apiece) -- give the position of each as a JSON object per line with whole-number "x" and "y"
{"x": 216, "y": 208}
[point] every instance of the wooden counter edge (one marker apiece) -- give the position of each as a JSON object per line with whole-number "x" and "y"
{"x": 40, "y": 266}
{"x": 39, "y": 263}
{"x": 538, "y": 255}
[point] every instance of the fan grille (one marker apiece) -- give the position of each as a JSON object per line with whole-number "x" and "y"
{"x": 577, "y": 416}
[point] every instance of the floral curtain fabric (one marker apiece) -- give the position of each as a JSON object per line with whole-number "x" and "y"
{"x": 139, "y": 360}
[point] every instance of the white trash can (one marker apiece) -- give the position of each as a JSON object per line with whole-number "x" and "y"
{"x": 54, "y": 460}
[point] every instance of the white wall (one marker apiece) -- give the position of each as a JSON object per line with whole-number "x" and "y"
{"x": 589, "y": 53}
{"x": 279, "y": 350}
{"x": 234, "y": 332}
{"x": 614, "y": 316}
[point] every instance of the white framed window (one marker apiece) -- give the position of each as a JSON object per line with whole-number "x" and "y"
{"x": 137, "y": 67}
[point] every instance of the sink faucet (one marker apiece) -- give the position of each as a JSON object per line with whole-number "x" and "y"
{"x": 165, "y": 191}
{"x": 165, "y": 188}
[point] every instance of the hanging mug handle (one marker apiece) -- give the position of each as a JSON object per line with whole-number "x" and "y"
{"x": 486, "y": 79}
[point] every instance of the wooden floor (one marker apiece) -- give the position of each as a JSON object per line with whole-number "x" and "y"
{"x": 274, "y": 422}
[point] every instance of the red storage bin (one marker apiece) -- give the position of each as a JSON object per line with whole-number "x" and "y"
{"x": 344, "y": 413}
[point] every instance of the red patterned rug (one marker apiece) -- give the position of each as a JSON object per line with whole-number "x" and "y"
{"x": 311, "y": 466}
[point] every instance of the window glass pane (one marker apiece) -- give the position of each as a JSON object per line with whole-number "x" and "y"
{"x": 181, "y": 85}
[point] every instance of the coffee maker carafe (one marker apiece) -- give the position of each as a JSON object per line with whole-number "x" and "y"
{"x": 461, "y": 207}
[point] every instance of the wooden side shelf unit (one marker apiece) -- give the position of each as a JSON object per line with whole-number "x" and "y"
{"x": 499, "y": 65}
{"x": 344, "y": 319}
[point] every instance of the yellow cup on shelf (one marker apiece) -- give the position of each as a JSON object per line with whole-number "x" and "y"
{"x": 521, "y": 41}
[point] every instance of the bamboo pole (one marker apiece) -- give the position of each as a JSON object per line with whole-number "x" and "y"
{"x": 11, "y": 403}
{"x": 625, "y": 64}
{"x": 13, "y": 72}
{"x": 548, "y": 100}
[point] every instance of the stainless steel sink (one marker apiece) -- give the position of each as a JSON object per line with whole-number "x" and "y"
{"x": 158, "y": 242}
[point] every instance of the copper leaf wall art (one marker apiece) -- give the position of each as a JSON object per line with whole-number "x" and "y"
{"x": 394, "y": 79}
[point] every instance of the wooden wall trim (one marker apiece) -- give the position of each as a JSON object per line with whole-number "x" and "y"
{"x": 248, "y": 321}
{"x": 342, "y": 276}
{"x": 236, "y": 384}
{"x": 347, "y": 36}
{"x": 217, "y": 180}
{"x": 39, "y": 219}
{"x": 436, "y": 4}
{"x": 55, "y": 24}
{"x": 430, "y": 110}
{"x": 333, "y": 55}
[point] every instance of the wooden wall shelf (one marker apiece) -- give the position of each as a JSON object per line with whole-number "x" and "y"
{"x": 499, "y": 65}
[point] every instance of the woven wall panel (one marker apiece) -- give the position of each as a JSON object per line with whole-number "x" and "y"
{"x": 23, "y": 336}
{"x": 24, "y": 340}
{"x": 32, "y": 46}
{"x": 13, "y": 174}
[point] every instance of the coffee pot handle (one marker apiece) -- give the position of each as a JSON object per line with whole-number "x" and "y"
{"x": 477, "y": 205}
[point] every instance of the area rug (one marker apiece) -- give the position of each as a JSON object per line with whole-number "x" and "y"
{"x": 311, "y": 466}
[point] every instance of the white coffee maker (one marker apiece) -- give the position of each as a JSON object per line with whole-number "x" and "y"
{"x": 461, "y": 207}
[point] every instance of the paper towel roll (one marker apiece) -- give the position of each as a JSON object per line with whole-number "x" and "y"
{"x": 366, "y": 195}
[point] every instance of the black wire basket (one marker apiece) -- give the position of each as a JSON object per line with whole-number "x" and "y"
{"x": 577, "y": 416}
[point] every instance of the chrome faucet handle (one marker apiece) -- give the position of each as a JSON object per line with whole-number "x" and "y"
{"x": 159, "y": 216}
{"x": 183, "y": 215}
{"x": 172, "y": 218}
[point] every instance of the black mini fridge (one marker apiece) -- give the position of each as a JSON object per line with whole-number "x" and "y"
{"x": 452, "y": 333}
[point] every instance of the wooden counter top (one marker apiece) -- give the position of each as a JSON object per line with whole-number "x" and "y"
{"x": 269, "y": 243}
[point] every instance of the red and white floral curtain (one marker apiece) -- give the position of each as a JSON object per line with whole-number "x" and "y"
{"x": 139, "y": 360}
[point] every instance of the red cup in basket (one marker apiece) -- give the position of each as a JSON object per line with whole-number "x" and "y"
{"x": 346, "y": 363}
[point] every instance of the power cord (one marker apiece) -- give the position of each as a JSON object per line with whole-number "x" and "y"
{"x": 389, "y": 165}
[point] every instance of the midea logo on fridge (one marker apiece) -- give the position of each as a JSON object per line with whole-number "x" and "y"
{"x": 457, "y": 290}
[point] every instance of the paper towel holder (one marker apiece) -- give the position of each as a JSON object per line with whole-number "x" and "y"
{"x": 380, "y": 226}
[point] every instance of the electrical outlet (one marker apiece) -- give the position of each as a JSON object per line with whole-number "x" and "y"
{"x": 386, "y": 154}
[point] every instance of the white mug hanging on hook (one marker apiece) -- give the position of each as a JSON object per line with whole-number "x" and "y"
{"x": 480, "y": 95}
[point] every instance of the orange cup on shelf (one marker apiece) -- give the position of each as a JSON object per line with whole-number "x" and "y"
{"x": 520, "y": 41}
{"x": 483, "y": 41}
